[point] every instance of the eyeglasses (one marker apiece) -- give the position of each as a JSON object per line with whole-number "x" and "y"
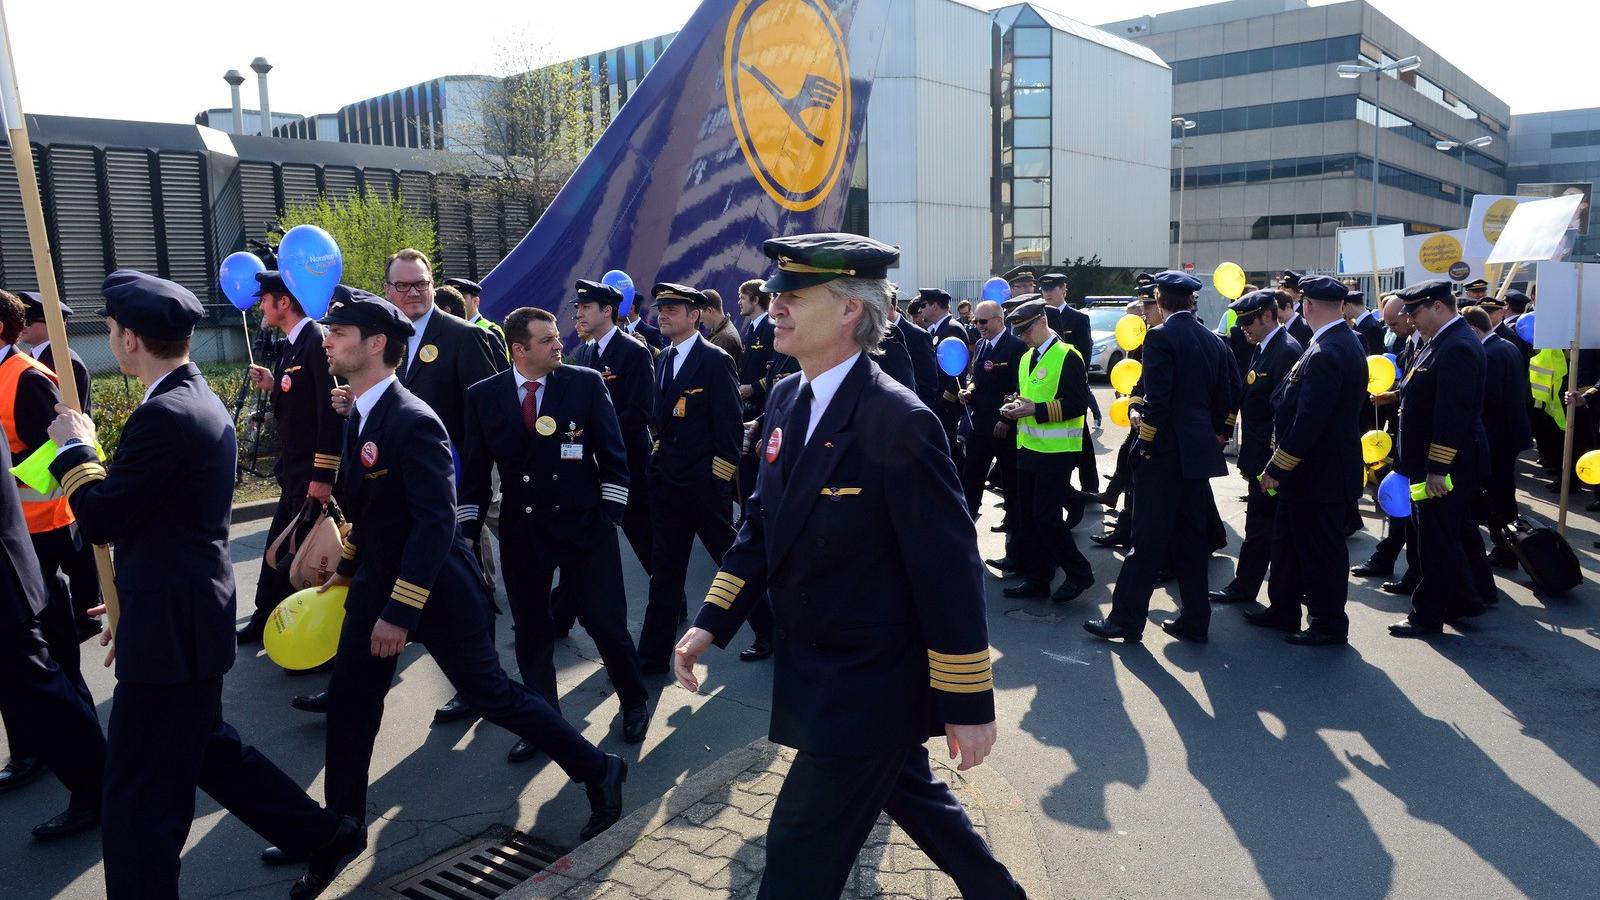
{"x": 983, "y": 321}
{"x": 406, "y": 287}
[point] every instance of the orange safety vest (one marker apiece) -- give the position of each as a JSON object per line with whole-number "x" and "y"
{"x": 43, "y": 512}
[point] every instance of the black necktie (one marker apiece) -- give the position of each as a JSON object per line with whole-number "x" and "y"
{"x": 666, "y": 369}
{"x": 795, "y": 429}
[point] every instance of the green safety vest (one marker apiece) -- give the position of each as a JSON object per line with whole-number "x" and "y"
{"x": 490, "y": 325}
{"x": 1040, "y": 386}
{"x": 1546, "y": 373}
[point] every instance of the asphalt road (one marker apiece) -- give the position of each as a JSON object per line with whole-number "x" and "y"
{"x": 1460, "y": 767}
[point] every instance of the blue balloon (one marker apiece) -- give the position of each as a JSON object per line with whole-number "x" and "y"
{"x": 237, "y": 278}
{"x": 1525, "y": 327}
{"x": 619, "y": 279}
{"x": 953, "y": 356}
{"x": 311, "y": 264}
{"x": 1395, "y": 361}
{"x": 1394, "y": 495}
{"x": 996, "y": 289}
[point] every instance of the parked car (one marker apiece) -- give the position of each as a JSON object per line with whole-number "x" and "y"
{"x": 1104, "y": 312}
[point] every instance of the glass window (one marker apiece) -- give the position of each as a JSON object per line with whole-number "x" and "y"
{"x": 1235, "y": 64}
{"x": 1280, "y": 226}
{"x": 1032, "y": 164}
{"x": 1031, "y": 73}
{"x": 1286, "y": 56}
{"x": 1030, "y": 191}
{"x": 1031, "y": 103}
{"x": 1031, "y": 41}
{"x": 1235, "y": 119}
{"x": 1313, "y": 53}
{"x": 1211, "y": 67}
{"x": 1339, "y": 109}
{"x": 1208, "y": 122}
{"x": 1033, "y": 222}
{"x": 1259, "y": 60}
{"x": 1258, "y": 229}
{"x": 1209, "y": 176}
{"x": 1338, "y": 165}
{"x": 1185, "y": 70}
{"x": 1005, "y": 193}
{"x": 1233, "y": 173}
{"x": 1311, "y": 111}
{"x": 1257, "y": 171}
{"x": 1282, "y": 168}
{"x": 1309, "y": 167}
{"x": 1285, "y": 114}
{"x": 1031, "y": 132}
{"x": 1034, "y": 250}
{"x": 1343, "y": 49}
{"x": 1259, "y": 116}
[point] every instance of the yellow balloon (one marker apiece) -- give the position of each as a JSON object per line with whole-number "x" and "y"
{"x": 1228, "y": 279}
{"x": 1589, "y": 467}
{"x": 1380, "y": 374}
{"x": 1366, "y": 476}
{"x": 1125, "y": 375}
{"x": 303, "y": 632}
{"x": 1375, "y": 446}
{"x": 1119, "y": 411}
{"x": 1130, "y": 332}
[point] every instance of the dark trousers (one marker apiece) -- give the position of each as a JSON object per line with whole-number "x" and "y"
{"x": 1042, "y": 535}
{"x": 83, "y": 579}
{"x": 1310, "y": 565}
{"x": 1255, "y": 553}
{"x": 1454, "y": 570}
{"x": 1170, "y": 528}
{"x": 56, "y": 625}
{"x": 1088, "y": 468}
{"x": 1122, "y": 475}
{"x": 636, "y": 517}
{"x": 1548, "y": 437}
{"x": 950, "y": 417}
{"x": 472, "y": 666}
{"x": 829, "y": 804}
{"x": 272, "y": 585}
{"x": 984, "y": 450}
{"x": 677, "y": 516}
{"x": 1500, "y": 495}
{"x": 591, "y": 578}
{"x": 49, "y": 712}
{"x": 165, "y": 741}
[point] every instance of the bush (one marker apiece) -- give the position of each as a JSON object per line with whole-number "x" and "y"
{"x": 116, "y": 397}
{"x": 368, "y": 230}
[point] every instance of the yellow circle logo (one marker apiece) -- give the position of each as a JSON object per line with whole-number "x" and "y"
{"x": 1494, "y": 221}
{"x": 1440, "y": 252}
{"x": 788, "y": 85}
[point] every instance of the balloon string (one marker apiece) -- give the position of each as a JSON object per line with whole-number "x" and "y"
{"x": 249, "y": 353}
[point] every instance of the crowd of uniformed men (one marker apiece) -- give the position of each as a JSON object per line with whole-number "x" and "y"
{"x": 823, "y": 457}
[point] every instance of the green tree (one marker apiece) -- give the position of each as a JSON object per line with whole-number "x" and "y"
{"x": 1087, "y": 277}
{"x": 367, "y": 230}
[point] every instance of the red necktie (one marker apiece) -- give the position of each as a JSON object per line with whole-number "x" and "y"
{"x": 530, "y": 404}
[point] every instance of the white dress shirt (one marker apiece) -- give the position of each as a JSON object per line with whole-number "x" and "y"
{"x": 823, "y": 388}
{"x": 370, "y": 398}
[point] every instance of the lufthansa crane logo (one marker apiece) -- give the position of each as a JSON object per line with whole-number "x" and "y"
{"x": 788, "y": 84}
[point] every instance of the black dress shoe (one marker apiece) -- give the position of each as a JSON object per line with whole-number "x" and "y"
{"x": 1184, "y": 631}
{"x": 19, "y": 771}
{"x": 1225, "y": 597}
{"x": 327, "y": 861}
{"x": 1069, "y": 592}
{"x": 1108, "y": 540}
{"x": 1103, "y": 628}
{"x": 67, "y": 824}
{"x": 1372, "y": 568}
{"x": 635, "y": 722}
{"x": 756, "y": 652}
{"x": 522, "y": 751}
{"x": 1502, "y": 558}
{"x": 605, "y": 798}
{"x": 1003, "y": 564}
{"x": 1408, "y": 628}
{"x": 1026, "y": 590}
{"x": 1266, "y": 618}
{"x": 1309, "y": 638}
{"x": 311, "y": 703}
{"x": 453, "y": 711}
{"x": 1403, "y": 586}
{"x": 277, "y": 856}
{"x": 251, "y": 632}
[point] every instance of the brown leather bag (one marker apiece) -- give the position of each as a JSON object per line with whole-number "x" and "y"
{"x": 311, "y": 545}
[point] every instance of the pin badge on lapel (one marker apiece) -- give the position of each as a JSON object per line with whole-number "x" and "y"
{"x": 545, "y": 425}
{"x": 679, "y": 408}
{"x": 774, "y": 445}
{"x": 369, "y": 454}
{"x": 285, "y": 383}
{"x": 428, "y": 353}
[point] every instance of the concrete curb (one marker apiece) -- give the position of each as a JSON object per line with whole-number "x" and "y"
{"x": 254, "y": 510}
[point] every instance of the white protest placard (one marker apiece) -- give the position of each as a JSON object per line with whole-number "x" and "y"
{"x": 1537, "y": 230}
{"x": 1441, "y": 255}
{"x": 1370, "y": 249}
{"x": 1556, "y": 311}
{"x": 1488, "y": 218}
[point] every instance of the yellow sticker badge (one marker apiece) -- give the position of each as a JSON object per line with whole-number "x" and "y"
{"x": 428, "y": 353}
{"x": 545, "y": 425}
{"x": 788, "y": 83}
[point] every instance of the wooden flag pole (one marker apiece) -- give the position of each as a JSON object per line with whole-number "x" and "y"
{"x": 44, "y": 267}
{"x": 1572, "y": 408}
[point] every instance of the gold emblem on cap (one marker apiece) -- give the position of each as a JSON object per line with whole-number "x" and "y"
{"x": 428, "y": 353}
{"x": 545, "y": 425}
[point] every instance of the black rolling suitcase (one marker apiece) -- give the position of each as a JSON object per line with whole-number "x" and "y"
{"x": 1544, "y": 555}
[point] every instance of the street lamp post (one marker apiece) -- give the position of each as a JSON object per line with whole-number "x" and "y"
{"x": 1447, "y": 146}
{"x": 1183, "y": 125}
{"x": 1356, "y": 70}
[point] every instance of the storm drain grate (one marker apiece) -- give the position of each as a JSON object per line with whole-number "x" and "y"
{"x": 488, "y": 867}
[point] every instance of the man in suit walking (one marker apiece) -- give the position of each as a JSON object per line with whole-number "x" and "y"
{"x": 947, "y": 404}
{"x": 175, "y": 582}
{"x": 1505, "y": 423}
{"x": 858, "y": 531}
{"x": 994, "y": 379}
{"x": 1190, "y": 388}
{"x": 757, "y": 338}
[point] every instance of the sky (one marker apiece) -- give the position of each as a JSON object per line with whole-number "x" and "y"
{"x": 163, "y": 60}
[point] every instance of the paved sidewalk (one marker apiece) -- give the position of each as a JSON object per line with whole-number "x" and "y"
{"x": 706, "y": 838}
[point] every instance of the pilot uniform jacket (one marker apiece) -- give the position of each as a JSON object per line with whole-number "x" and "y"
{"x": 871, "y": 562}
{"x": 994, "y": 378}
{"x": 1190, "y": 387}
{"x": 895, "y": 360}
{"x": 311, "y": 432}
{"x": 1316, "y": 455}
{"x": 1299, "y": 330}
{"x": 547, "y": 501}
{"x": 755, "y": 362}
{"x": 1505, "y": 398}
{"x": 408, "y": 562}
{"x": 1072, "y": 326}
{"x": 949, "y": 385}
{"x": 1441, "y": 406}
{"x": 463, "y": 355}
{"x": 650, "y": 335}
{"x": 1263, "y": 374}
{"x": 1507, "y": 330}
{"x": 924, "y": 360}
{"x": 1371, "y": 331}
{"x": 626, "y": 370}
{"x": 697, "y": 418}
{"x": 1071, "y": 402}
{"x": 163, "y": 504}
{"x": 80, "y": 373}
